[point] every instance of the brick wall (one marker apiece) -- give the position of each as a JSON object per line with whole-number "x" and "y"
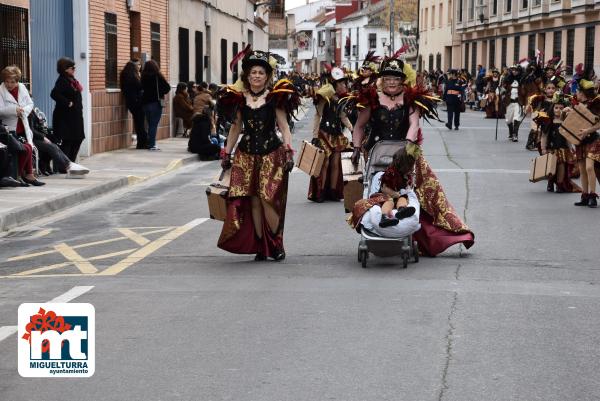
{"x": 111, "y": 123}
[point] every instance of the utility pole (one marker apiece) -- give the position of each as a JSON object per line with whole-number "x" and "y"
{"x": 392, "y": 48}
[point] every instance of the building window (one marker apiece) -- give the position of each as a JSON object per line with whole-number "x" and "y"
{"x": 492, "y": 57}
{"x": 524, "y": 4}
{"x": 14, "y": 39}
{"x": 110, "y": 43}
{"x": 431, "y": 63}
{"x": 223, "y": 61}
{"x": 250, "y": 37}
{"x": 155, "y": 42}
{"x": 460, "y": 10}
{"x": 531, "y": 47}
{"x": 508, "y": 6}
{"x": 449, "y": 13}
{"x": 570, "y": 50}
{"x": 494, "y": 7}
{"x": 420, "y": 63}
{"x": 473, "y": 58}
{"x": 590, "y": 32}
{"x": 199, "y": 45}
{"x": 432, "y": 17}
{"x": 441, "y": 14}
{"x": 354, "y": 50}
{"x": 347, "y": 47}
{"x": 372, "y": 40}
{"x": 557, "y": 44}
{"x": 438, "y": 61}
{"x": 466, "y": 65}
{"x": 471, "y": 10}
{"x": 234, "y": 51}
{"x": 184, "y": 55}
{"x": 503, "y": 52}
{"x": 426, "y": 18}
{"x": 537, "y": 3}
{"x": 517, "y": 49}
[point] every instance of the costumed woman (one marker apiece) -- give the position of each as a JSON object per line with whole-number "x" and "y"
{"x": 493, "y": 107}
{"x": 262, "y": 161}
{"x": 588, "y": 152}
{"x": 394, "y": 113}
{"x": 513, "y": 102}
{"x": 553, "y": 142}
{"x": 330, "y": 120}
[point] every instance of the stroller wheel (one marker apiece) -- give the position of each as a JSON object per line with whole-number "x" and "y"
{"x": 363, "y": 259}
{"x": 405, "y": 260}
{"x": 416, "y": 251}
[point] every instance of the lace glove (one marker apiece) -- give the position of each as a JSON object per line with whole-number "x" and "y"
{"x": 226, "y": 161}
{"x": 289, "y": 161}
{"x": 355, "y": 156}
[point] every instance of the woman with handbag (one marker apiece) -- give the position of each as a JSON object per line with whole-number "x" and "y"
{"x": 15, "y": 106}
{"x": 67, "y": 119}
{"x": 155, "y": 87}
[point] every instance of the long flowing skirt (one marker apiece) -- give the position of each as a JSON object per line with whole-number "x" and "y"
{"x": 261, "y": 176}
{"x": 441, "y": 227}
{"x": 321, "y": 187}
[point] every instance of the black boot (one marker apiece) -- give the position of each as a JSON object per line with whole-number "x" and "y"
{"x": 510, "y": 131}
{"x": 531, "y": 141}
{"x": 278, "y": 254}
{"x": 593, "y": 200}
{"x": 550, "y": 187}
{"x": 388, "y": 221}
{"x": 515, "y": 137}
{"x": 583, "y": 201}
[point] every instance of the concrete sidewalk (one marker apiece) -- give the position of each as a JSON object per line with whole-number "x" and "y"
{"x": 109, "y": 171}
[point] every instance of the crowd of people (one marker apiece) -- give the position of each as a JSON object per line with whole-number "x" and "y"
{"x": 542, "y": 90}
{"x": 28, "y": 148}
{"x": 383, "y": 101}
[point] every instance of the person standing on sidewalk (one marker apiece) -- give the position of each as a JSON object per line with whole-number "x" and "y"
{"x": 453, "y": 96}
{"x": 67, "y": 119}
{"x": 155, "y": 87}
{"x": 15, "y": 106}
{"x": 131, "y": 87}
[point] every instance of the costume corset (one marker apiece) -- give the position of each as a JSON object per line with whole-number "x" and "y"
{"x": 389, "y": 123}
{"x": 555, "y": 139}
{"x": 330, "y": 121}
{"x": 259, "y": 136}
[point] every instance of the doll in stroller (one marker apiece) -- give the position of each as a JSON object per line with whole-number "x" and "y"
{"x": 388, "y": 214}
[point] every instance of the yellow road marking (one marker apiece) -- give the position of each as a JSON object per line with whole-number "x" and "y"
{"x": 86, "y": 245}
{"x": 64, "y": 264}
{"x": 135, "y": 237}
{"x": 150, "y": 248}
{"x": 79, "y": 261}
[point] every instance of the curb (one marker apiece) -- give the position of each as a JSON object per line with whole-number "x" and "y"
{"x": 43, "y": 209}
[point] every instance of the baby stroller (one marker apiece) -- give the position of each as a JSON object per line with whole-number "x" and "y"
{"x": 380, "y": 157}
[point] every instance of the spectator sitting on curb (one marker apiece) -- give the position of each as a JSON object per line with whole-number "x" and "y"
{"x": 182, "y": 106}
{"x": 5, "y": 179}
{"x": 61, "y": 163}
{"x": 15, "y": 106}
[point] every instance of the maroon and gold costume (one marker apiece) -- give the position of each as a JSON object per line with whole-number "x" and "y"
{"x": 258, "y": 170}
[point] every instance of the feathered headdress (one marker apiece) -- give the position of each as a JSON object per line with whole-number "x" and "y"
{"x": 371, "y": 61}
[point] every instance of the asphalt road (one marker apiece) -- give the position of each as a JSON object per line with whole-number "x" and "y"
{"x": 513, "y": 318}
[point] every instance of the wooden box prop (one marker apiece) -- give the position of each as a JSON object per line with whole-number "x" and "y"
{"x": 217, "y": 196}
{"x": 579, "y": 118}
{"x": 542, "y": 167}
{"x": 353, "y": 181}
{"x": 310, "y": 159}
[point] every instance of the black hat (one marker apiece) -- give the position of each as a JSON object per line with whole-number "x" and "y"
{"x": 257, "y": 57}
{"x": 392, "y": 66}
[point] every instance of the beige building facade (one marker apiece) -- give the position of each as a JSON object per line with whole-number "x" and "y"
{"x": 436, "y": 19}
{"x": 495, "y": 33}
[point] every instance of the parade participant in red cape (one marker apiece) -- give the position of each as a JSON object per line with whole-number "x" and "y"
{"x": 262, "y": 162}
{"x": 394, "y": 113}
{"x": 330, "y": 120}
{"x": 588, "y": 152}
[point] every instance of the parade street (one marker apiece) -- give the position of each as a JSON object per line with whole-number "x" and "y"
{"x": 513, "y": 318}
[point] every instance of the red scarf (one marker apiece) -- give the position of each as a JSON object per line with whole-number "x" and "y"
{"x": 20, "y": 127}
{"x": 75, "y": 84}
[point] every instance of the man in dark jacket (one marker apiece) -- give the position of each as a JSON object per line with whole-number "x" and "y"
{"x": 453, "y": 98}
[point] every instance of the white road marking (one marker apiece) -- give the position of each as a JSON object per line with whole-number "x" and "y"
{"x": 480, "y": 170}
{"x": 7, "y": 331}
